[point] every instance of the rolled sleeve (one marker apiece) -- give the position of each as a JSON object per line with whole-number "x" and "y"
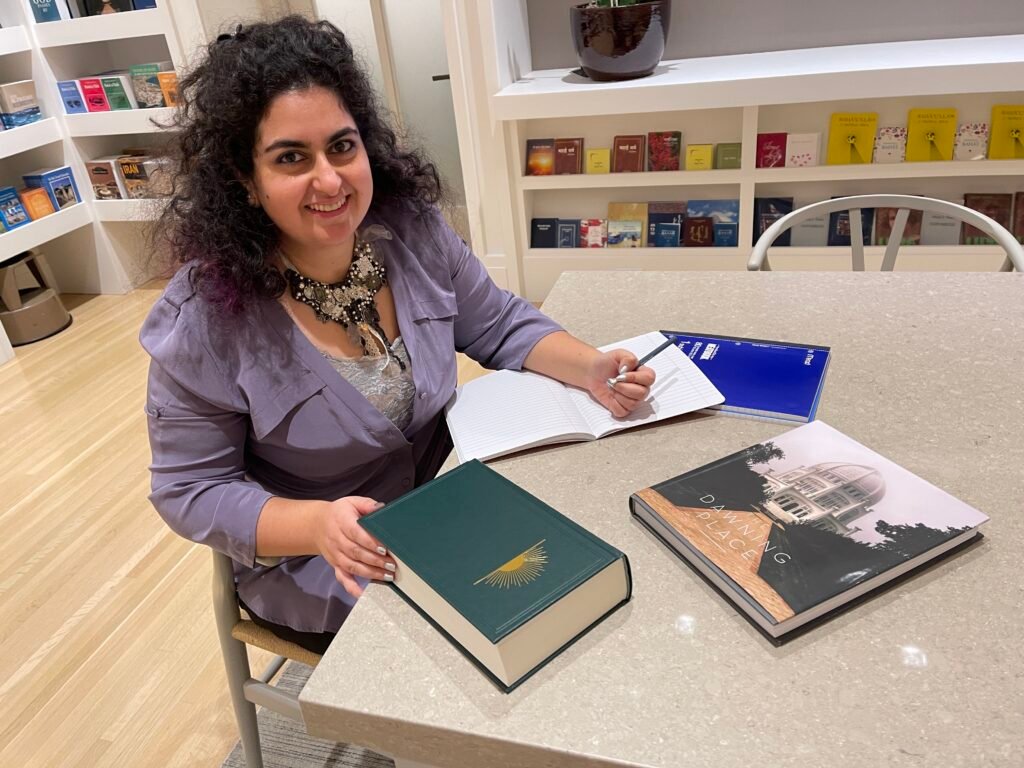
{"x": 494, "y": 326}
{"x": 198, "y": 470}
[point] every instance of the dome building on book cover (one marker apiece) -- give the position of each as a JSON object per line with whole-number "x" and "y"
{"x": 830, "y": 495}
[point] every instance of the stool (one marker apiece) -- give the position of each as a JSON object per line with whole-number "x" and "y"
{"x": 30, "y": 314}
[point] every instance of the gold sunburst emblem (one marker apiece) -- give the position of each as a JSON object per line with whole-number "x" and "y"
{"x": 520, "y": 570}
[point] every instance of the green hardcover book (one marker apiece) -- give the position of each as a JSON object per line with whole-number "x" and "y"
{"x": 727, "y": 155}
{"x": 506, "y": 578}
{"x": 118, "y": 92}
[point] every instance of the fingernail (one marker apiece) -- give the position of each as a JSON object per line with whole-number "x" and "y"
{"x": 389, "y": 567}
{"x": 620, "y": 377}
{"x": 610, "y": 383}
{"x": 381, "y": 551}
{"x": 378, "y": 505}
{"x": 388, "y": 577}
{"x": 623, "y": 368}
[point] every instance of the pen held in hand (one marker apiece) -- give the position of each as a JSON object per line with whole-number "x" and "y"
{"x": 643, "y": 360}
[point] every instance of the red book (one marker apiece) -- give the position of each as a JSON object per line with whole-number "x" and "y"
{"x": 698, "y": 231}
{"x": 94, "y": 95}
{"x": 771, "y": 150}
{"x": 568, "y": 156}
{"x": 593, "y": 233}
{"x": 663, "y": 150}
{"x": 628, "y": 154}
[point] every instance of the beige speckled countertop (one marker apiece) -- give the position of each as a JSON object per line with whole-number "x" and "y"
{"x": 927, "y": 370}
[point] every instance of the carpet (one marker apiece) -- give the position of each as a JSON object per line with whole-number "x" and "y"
{"x": 286, "y": 745}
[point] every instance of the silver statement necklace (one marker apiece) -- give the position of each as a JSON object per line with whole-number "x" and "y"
{"x": 350, "y": 302}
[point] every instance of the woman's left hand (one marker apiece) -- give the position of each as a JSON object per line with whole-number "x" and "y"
{"x": 626, "y": 395}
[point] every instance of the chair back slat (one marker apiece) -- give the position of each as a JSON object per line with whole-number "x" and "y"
{"x": 857, "y": 239}
{"x": 899, "y": 226}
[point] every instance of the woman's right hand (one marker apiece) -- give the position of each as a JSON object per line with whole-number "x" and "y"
{"x": 349, "y": 549}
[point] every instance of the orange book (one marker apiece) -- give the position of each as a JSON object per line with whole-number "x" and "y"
{"x": 169, "y": 87}
{"x": 36, "y": 201}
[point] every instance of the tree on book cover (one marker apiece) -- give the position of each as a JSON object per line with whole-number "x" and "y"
{"x": 663, "y": 150}
{"x": 800, "y": 519}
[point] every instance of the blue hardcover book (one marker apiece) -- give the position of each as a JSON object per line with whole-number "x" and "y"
{"x": 568, "y": 233}
{"x": 71, "y": 96}
{"x": 665, "y": 212}
{"x": 48, "y": 10}
{"x": 773, "y": 380}
{"x": 720, "y": 211}
{"x": 12, "y": 212}
{"x": 544, "y": 233}
{"x": 140, "y": 5}
{"x": 768, "y": 210}
{"x": 666, "y": 234}
{"x": 59, "y": 184}
{"x": 726, "y": 234}
{"x": 839, "y": 226}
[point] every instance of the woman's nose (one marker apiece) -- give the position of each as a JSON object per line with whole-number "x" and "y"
{"x": 326, "y": 180}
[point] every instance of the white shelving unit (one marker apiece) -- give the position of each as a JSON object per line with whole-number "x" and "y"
{"x": 501, "y": 102}
{"x": 93, "y": 247}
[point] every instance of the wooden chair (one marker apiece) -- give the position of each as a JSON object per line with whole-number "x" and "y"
{"x": 235, "y": 634}
{"x": 904, "y": 203}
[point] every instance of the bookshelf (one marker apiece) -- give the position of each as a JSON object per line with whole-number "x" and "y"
{"x": 94, "y": 246}
{"x": 501, "y": 102}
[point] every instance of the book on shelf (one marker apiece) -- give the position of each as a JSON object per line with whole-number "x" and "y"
{"x": 839, "y": 227}
{"x": 851, "y": 137}
{"x": 1018, "y": 217}
{"x": 724, "y": 216}
{"x": 773, "y": 380}
{"x": 146, "y": 83}
{"x": 105, "y": 177}
{"x": 18, "y": 104}
{"x": 663, "y": 149}
{"x": 94, "y": 95}
{"x": 568, "y": 233}
{"x": 145, "y": 177}
{"x": 796, "y": 527}
{"x": 809, "y": 233}
{"x": 118, "y": 89}
{"x": 599, "y": 160}
{"x": 1006, "y": 137}
{"x": 540, "y": 157}
{"x": 768, "y": 210}
{"x": 728, "y": 155}
{"x": 625, "y": 234}
{"x": 700, "y": 157}
{"x": 885, "y": 219}
{"x": 802, "y": 149}
{"x": 891, "y": 144}
{"x": 994, "y": 205}
{"x": 12, "y": 211}
{"x": 100, "y": 7}
{"x": 628, "y": 153}
{"x": 698, "y": 231}
{"x": 169, "y": 86}
{"x": 930, "y": 135}
{"x": 771, "y": 150}
{"x": 71, "y": 96}
{"x": 509, "y": 411}
{"x": 725, "y": 234}
{"x": 939, "y": 229}
{"x": 37, "y": 202}
{"x": 593, "y": 233}
{"x": 507, "y": 579}
{"x": 670, "y": 213}
{"x": 49, "y": 10}
{"x": 543, "y": 233}
{"x": 629, "y": 212}
{"x": 971, "y": 141}
{"x": 568, "y": 156}
{"x": 142, "y": 5}
{"x": 59, "y": 184}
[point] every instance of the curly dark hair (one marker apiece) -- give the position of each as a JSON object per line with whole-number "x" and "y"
{"x": 208, "y": 221}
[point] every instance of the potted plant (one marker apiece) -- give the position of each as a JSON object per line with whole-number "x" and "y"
{"x": 620, "y": 39}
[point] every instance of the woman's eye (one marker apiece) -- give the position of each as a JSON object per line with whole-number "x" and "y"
{"x": 289, "y": 157}
{"x": 343, "y": 146}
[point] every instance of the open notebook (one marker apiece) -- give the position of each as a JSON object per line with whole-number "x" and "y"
{"x": 508, "y": 411}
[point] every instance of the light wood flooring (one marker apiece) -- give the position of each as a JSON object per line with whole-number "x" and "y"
{"x": 108, "y": 654}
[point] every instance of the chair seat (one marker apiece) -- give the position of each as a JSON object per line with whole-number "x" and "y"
{"x": 251, "y": 633}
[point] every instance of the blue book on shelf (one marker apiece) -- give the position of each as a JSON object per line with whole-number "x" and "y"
{"x": 726, "y": 234}
{"x": 773, "y": 380}
{"x": 666, "y": 234}
{"x": 12, "y": 212}
{"x": 568, "y": 233}
{"x": 71, "y": 96}
{"x": 140, "y": 5}
{"x": 59, "y": 184}
{"x": 47, "y": 10}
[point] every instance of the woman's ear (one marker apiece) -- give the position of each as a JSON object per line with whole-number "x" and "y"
{"x": 250, "y": 191}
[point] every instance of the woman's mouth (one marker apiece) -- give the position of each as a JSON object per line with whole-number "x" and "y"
{"x": 327, "y": 209}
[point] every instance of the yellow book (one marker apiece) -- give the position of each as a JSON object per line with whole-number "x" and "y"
{"x": 851, "y": 137}
{"x": 1006, "y": 136}
{"x": 599, "y": 160}
{"x": 630, "y": 212}
{"x": 700, "y": 157}
{"x": 930, "y": 135}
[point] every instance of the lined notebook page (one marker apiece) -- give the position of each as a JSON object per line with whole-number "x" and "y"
{"x": 679, "y": 387}
{"x": 507, "y": 411}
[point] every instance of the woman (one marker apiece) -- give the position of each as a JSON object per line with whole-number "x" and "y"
{"x": 304, "y": 351}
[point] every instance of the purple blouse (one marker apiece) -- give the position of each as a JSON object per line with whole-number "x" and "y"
{"x": 241, "y": 409}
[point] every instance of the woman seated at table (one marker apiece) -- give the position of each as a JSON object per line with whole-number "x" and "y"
{"x": 304, "y": 351}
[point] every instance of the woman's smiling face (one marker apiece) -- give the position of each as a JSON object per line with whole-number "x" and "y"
{"x": 311, "y": 173}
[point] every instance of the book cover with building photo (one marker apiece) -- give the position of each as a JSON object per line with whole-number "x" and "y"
{"x": 795, "y": 527}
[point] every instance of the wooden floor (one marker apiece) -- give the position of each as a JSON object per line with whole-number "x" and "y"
{"x": 108, "y": 654}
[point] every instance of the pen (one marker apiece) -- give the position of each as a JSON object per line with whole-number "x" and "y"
{"x": 645, "y": 359}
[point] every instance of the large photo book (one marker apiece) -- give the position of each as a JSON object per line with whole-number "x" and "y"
{"x": 795, "y": 527}
{"x": 507, "y": 579}
{"x": 509, "y": 411}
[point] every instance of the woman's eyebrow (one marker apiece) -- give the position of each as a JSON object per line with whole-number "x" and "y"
{"x": 296, "y": 144}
